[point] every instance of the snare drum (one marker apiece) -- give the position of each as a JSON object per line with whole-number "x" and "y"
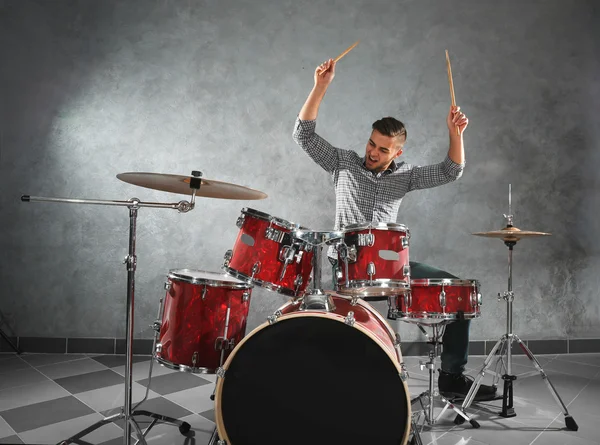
{"x": 301, "y": 377}
{"x": 204, "y": 317}
{"x": 373, "y": 260}
{"x": 266, "y": 253}
{"x": 432, "y": 301}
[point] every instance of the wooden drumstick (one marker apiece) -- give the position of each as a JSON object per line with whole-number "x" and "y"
{"x": 337, "y": 59}
{"x": 451, "y": 86}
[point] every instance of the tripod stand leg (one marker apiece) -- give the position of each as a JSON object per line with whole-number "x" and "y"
{"x": 184, "y": 427}
{"x": 8, "y": 340}
{"x": 569, "y": 420}
{"x": 486, "y": 364}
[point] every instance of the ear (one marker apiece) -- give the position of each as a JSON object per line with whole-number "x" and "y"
{"x": 398, "y": 154}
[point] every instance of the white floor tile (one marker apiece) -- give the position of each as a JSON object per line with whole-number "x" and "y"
{"x": 71, "y": 368}
{"x": 26, "y": 395}
{"x": 103, "y": 399}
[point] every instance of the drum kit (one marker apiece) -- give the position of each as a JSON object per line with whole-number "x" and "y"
{"x": 325, "y": 367}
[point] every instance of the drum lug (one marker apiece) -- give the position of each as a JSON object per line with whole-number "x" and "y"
{"x": 168, "y": 285}
{"x": 408, "y": 299}
{"x": 443, "y": 299}
{"x": 240, "y": 221}
{"x": 371, "y": 271}
{"x": 405, "y": 242}
{"x": 204, "y": 292}
{"x": 228, "y": 255}
{"x": 245, "y": 296}
{"x": 274, "y": 234}
{"x": 222, "y": 343}
{"x": 158, "y": 347}
{"x": 406, "y": 270}
{"x": 350, "y": 320}
{"x": 273, "y": 318}
{"x": 255, "y": 269}
{"x": 194, "y": 359}
{"x": 476, "y": 299}
{"x": 366, "y": 239}
{"x": 297, "y": 283}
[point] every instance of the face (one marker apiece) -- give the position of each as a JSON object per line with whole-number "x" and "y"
{"x": 382, "y": 150}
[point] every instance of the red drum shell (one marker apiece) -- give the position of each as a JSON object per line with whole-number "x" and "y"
{"x": 195, "y": 311}
{"x": 424, "y": 303}
{"x": 267, "y": 254}
{"x": 390, "y": 276}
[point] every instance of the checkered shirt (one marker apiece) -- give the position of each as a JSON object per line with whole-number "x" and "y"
{"x": 361, "y": 195}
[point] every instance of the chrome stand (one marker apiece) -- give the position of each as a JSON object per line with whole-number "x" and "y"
{"x": 430, "y": 395}
{"x": 504, "y": 345}
{"x": 130, "y": 262}
{"x": 9, "y": 341}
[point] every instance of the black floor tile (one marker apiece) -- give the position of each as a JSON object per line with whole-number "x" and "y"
{"x": 113, "y": 361}
{"x": 11, "y": 440}
{"x": 41, "y": 414}
{"x": 90, "y": 381}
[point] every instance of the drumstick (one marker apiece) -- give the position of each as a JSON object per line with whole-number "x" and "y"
{"x": 337, "y": 59}
{"x": 451, "y": 86}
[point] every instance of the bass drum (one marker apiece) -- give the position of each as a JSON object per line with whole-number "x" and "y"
{"x": 315, "y": 377}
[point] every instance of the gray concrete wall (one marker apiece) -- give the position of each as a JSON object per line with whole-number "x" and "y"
{"x": 92, "y": 89}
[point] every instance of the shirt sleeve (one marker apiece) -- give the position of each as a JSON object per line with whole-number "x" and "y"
{"x": 435, "y": 175}
{"x": 319, "y": 150}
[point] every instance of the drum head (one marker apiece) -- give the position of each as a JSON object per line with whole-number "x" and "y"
{"x": 312, "y": 380}
{"x": 206, "y": 278}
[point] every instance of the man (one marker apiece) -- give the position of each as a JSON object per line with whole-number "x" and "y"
{"x": 370, "y": 189}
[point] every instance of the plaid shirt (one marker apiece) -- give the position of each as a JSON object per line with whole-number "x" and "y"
{"x": 360, "y": 194}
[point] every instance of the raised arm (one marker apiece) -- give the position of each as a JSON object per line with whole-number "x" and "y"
{"x": 456, "y": 119}
{"x": 451, "y": 168}
{"x": 320, "y": 151}
{"x": 324, "y": 74}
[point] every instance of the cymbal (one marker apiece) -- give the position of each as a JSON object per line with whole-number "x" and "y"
{"x": 209, "y": 188}
{"x": 511, "y": 234}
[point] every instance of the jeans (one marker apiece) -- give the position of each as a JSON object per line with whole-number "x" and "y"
{"x": 456, "y": 336}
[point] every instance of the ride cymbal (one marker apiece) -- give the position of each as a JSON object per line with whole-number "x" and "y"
{"x": 209, "y": 188}
{"x": 511, "y": 234}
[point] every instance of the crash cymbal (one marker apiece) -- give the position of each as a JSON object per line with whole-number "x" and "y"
{"x": 209, "y": 188}
{"x": 511, "y": 234}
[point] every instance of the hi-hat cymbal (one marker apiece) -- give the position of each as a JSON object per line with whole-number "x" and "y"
{"x": 511, "y": 234}
{"x": 181, "y": 184}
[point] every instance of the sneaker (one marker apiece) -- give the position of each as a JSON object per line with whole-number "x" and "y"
{"x": 454, "y": 386}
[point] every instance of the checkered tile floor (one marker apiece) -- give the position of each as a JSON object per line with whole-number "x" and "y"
{"x": 47, "y": 398}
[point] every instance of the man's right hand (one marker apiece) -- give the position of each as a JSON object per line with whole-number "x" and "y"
{"x": 325, "y": 73}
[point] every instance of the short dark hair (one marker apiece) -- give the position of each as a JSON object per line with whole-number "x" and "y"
{"x": 389, "y": 126}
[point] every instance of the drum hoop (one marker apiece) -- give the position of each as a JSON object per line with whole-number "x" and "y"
{"x": 395, "y": 227}
{"x": 260, "y": 283}
{"x": 180, "y": 275}
{"x": 289, "y": 225}
{"x": 336, "y": 317}
{"x": 443, "y": 281}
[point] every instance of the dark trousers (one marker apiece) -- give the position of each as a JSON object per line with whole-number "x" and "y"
{"x": 456, "y": 336}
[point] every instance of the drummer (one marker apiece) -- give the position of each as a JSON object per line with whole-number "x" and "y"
{"x": 371, "y": 188}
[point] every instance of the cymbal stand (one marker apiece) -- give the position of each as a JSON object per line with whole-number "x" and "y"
{"x": 134, "y": 204}
{"x": 504, "y": 345}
